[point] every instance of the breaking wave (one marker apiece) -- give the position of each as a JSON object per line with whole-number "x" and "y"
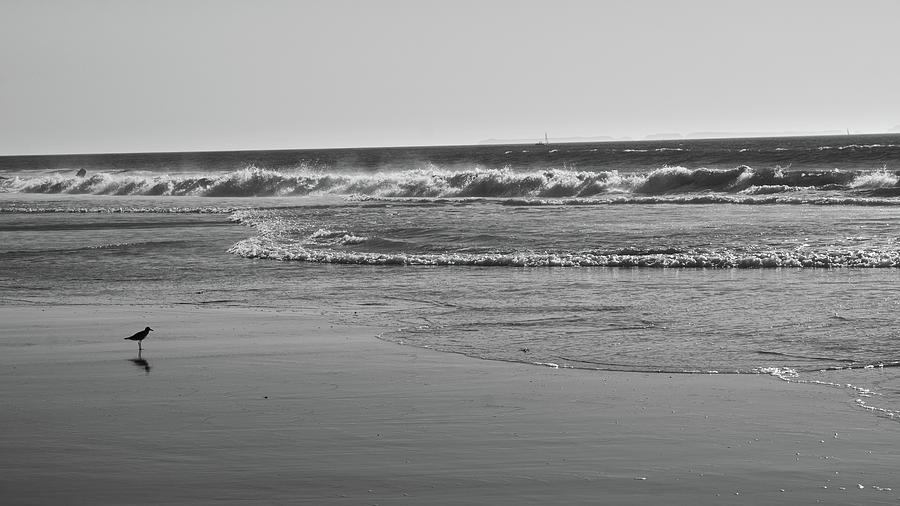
{"x": 442, "y": 183}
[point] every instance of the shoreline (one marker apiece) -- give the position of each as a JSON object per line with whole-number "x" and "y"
{"x": 249, "y": 405}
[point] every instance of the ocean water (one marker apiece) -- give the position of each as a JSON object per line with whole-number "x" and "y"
{"x": 743, "y": 256}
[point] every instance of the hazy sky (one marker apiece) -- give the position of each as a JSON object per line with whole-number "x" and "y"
{"x": 118, "y": 75}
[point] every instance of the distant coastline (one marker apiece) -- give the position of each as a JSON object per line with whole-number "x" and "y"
{"x": 674, "y": 136}
{"x": 557, "y": 140}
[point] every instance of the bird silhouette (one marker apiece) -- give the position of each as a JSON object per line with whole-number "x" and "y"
{"x": 140, "y": 336}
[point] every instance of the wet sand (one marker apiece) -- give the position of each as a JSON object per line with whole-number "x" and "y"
{"x": 256, "y": 407}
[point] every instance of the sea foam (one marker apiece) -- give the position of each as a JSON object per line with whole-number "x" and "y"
{"x": 433, "y": 182}
{"x": 285, "y": 250}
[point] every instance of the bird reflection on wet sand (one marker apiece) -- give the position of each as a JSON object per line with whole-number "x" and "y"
{"x": 140, "y": 362}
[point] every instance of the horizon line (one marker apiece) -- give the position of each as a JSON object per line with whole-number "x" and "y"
{"x": 600, "y": 139}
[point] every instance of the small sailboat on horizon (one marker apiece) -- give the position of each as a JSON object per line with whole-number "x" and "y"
{"x": 546, "y": 144}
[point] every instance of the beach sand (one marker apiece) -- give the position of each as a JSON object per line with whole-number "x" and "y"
{"x": 252, "y": 406}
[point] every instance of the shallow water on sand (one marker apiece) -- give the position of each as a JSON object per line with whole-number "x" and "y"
{"x": 827, "y": 325}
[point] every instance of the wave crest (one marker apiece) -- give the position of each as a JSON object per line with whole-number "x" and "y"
{"x": 442, "y": 183}
{"x": 873, "y": 180}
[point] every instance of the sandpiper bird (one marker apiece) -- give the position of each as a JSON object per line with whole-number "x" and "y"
{"x": 140, "y": 336}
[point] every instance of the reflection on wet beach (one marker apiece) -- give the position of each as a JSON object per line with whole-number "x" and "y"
{"x": 139, "y": 361}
